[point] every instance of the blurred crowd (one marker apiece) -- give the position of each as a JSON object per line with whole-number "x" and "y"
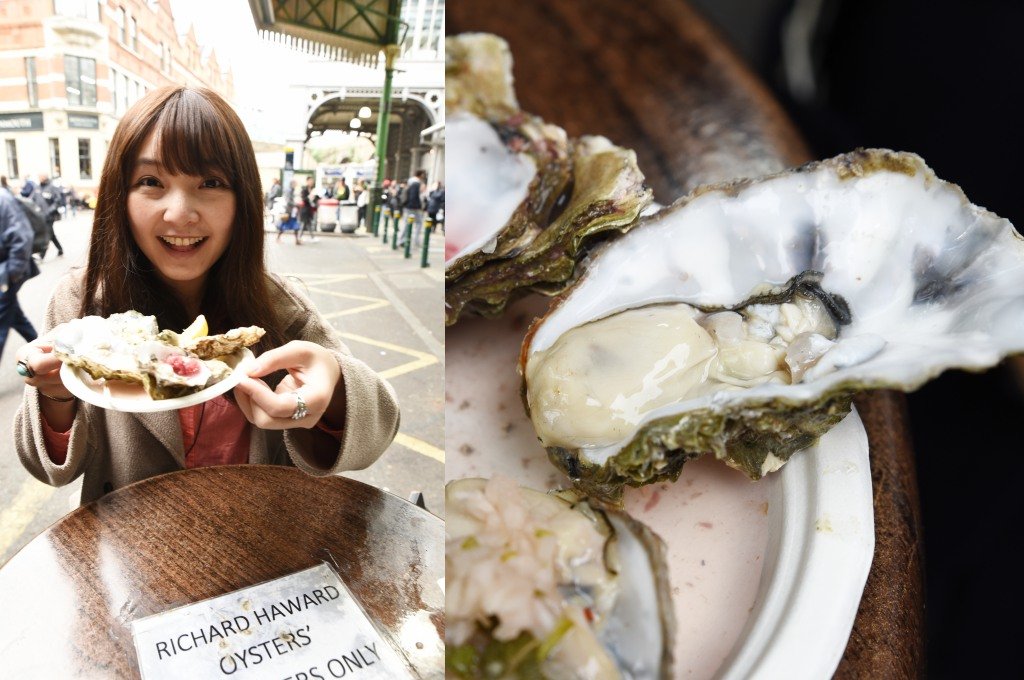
{"x": 307, "y": 209}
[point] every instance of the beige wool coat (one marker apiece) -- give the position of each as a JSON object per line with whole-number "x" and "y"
{"x": 112, "y": 449}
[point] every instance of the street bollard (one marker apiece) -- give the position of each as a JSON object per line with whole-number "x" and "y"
{"x": 428, "y": 226}
{"x": 376, "y": 219}
{"x": 384, "y": 238}
{"x": 394, "y": 234}
{"x": 408, "y": 236}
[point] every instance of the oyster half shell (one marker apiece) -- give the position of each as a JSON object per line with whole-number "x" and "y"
{"x": 741, "y": 320}
{"x": 551, "y": 586}
{"x": 129, "y": 347}
{"x": 525, "y": 198}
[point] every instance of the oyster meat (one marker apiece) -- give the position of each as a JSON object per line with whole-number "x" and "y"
{"x": 552, "y": 586}
{"x": 525, "y": 198}
{"x": 129, "y": 347}
{"x": 742, "y": 319}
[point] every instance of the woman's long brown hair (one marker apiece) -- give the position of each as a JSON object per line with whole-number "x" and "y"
{"x": 198, "y": 133}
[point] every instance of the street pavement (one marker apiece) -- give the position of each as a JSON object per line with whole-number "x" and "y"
{"x": 387, "y": 309}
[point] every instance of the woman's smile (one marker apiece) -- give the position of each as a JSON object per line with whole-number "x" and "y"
{"x": 180, "y": 244}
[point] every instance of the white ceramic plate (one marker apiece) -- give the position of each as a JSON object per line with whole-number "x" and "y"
{"x": 766, "y": 577}
{"x": 821, "y": 539}
{"x": 117, "y": 395}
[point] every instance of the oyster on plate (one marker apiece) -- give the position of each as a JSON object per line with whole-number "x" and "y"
{"x": 130, "y": 347}
{"x": 551, "y": 586}
{"x": 741, "y": 320}
{"x": 526, "y": 199}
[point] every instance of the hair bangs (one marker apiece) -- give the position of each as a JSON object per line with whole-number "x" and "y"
{"x": 191, "y": 137}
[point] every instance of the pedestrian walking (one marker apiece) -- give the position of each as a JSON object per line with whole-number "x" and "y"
{"x": 307, "y": 211}
{"x": 342, "y": 192}
{"x": 274, "y": 192}
{"x": 48, "y": 198}
{"x": 288, "y": 221}
{"x": 362, "y": 200}
{"x": 16, "y": 266}
{"x": 435, "y": 205}
{"x": 413, "y": 206}
{"x": 179, "y": 233}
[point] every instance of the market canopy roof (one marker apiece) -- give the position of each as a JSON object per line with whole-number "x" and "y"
{"x": 341, "y": 30}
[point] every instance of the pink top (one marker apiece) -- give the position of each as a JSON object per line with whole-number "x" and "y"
{"x": 213, "y": 433}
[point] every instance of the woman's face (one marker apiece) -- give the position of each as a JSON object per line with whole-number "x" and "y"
{"x": 182, "y": 223}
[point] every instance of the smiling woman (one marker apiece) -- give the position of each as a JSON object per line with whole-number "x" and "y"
{"x": 180, "y": 222}
{"x": 178, "y": 232}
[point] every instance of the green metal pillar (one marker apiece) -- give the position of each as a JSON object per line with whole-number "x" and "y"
{"x": 391, "y": 50}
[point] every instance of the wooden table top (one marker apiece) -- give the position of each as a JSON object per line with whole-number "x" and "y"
{"x": 655, "y": 77}
{"x": 68, "y": 598}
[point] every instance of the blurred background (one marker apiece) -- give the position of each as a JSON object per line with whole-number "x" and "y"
{"x": 941, "y": 79}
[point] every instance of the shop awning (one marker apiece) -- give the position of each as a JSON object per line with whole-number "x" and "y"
{"x": 353, "y": 31}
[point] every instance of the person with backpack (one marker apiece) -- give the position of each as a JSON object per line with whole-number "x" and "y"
{"x": 36, "y": 220}
{"x": 16, "y": 266}
{"x": 48, "y": 198}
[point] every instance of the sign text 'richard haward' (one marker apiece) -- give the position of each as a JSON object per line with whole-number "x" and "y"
{"x": 305, "y": 626}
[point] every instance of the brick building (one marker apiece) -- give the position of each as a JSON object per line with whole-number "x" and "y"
{"x": 69, "y": 69}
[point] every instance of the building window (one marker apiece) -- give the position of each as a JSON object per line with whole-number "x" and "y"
{"x": 165, "y": 58}
{"x": 80, "y": 80}
{"x": 122, "y": 25}
{"x": 133, "y": 34}
{"x": 85, "y": 158}
{"x": 120, "y": 93}
{"x": 30, "y": 79}
{"x": 426, "y": 24}
{"x": 12, "y": 158}
{"x": 54, "y": 157}
{"x": 83, "y": 9}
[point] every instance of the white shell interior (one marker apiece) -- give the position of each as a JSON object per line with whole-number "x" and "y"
{"x": 485, "y": 182}
{"x": 932, "y": 281}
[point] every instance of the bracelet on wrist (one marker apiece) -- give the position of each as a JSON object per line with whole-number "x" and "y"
{"x": 60, "y": 399}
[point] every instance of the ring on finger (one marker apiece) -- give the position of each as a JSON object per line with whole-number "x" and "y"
{"x": 24, "y": 370}
{"x": 300, "y": 407}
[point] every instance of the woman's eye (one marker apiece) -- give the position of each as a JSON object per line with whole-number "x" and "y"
{"x": 148, "y": 182}
{"x": 214, "y": 183}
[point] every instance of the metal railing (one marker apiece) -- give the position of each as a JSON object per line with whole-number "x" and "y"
{"x": 392, "y": 220}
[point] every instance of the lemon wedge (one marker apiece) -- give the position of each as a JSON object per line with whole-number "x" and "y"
{"x": 197, "y": 329}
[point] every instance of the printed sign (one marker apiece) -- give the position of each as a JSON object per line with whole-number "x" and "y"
{"x": 83, "y": 120}
{"x": 21, "y": 121}
{"x": 306, "y": 626}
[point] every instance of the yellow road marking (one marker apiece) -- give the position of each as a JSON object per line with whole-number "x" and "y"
{"x": 374, "y": 302}
{"x": 357, "y": 310}
{"x": 420, "y": 359}
{"x": 326, "y": 278}
{"x": 16, "y": 517}
{"x": 419, "y": 446}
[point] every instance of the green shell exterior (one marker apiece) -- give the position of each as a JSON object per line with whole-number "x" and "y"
{"x": 742, "y": 436}
{"x": 584, "y": 189}
{"x": 607, "y": 196}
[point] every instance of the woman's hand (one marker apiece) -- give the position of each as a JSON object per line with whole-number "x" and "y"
{"x": 44, "y": 374}
{"x": 313, "y": 372}
{"x": 44, "y": 367}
